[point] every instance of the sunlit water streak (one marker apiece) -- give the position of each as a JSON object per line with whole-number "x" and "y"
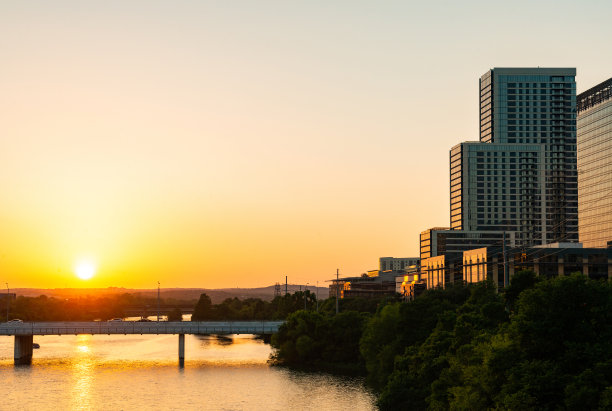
{"x": 134, "y": 372}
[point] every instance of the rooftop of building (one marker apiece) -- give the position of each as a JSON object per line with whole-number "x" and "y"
{"x": 436, "y": 229}
{"x": 595, "y": 95}
{"x": 381, "y": 277}
{"x": 501, "y": 146}
{"x": 560, "y": 245}
{"x": 526, "y": 71}
{"x": 544, "y": 250}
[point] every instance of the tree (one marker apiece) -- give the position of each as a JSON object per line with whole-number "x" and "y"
{"x": 203, "y": 309}
{"x": 520, "y": 282}
{"x": 310, "y": 339}
{"x": 440, "y": 356}
{"x": 175, "y": 315}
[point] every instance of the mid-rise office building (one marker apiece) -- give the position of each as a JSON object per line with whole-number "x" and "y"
{"x": 364, "y": 286}
{"x": 442, "y": 252}
{"x": 595, "y": 165}
{"x": 397, "y": 264}
{"x": 444, "y": 241}
{"x": 522, "y": 175}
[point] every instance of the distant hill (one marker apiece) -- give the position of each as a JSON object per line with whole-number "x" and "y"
{"x": 187, "y": 294}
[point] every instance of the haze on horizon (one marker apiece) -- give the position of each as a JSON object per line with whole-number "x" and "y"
{"x": 209, "y": 144}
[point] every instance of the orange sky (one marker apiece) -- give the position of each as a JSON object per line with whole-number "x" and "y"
{"x": 215, "y": 145}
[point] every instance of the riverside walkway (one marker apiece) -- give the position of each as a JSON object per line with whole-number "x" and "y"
{"x": 25, "y": 332}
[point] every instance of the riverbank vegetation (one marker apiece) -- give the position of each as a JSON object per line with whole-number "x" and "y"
{"x": 544, "y": 344}
{"x": 234, "y": 309}
{"x": 319, "y": 341}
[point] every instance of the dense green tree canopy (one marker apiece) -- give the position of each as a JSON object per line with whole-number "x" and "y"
{"x": 552, "y": 352}
{"x": 544, "y": 344}
{"x": 175, "y": 315}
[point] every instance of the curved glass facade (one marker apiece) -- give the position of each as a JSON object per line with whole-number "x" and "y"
{"x": 595, "y": 165}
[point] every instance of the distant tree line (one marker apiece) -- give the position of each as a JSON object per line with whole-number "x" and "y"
{"x": 277, "y": 309}
{"x": 544, "y": 344}
{"x": 87, "y": 308}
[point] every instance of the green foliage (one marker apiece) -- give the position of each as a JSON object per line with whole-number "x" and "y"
{"x": 563, "y": 328}
{"x": 542, "y": 345}
{"x": 253, "y": 308}
{"x": 175, "y": 315}
{"x": 399, "y": 325}
{"x": 448, "y": 349}
{"x": 520, "y": 281}
{"x": 562, "y": 311}
{"x": 310, "y": 339}
{"x": 380, "y": 342}
{"x": 359, "y": 304}
{"x": 203, "y": 309}
{"x": 554, "y": 352}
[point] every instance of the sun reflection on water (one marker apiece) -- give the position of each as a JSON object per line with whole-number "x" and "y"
{"x": 82, "y": 374}
{"x": 83, "y": 348}
{"x": 119, "y": 372}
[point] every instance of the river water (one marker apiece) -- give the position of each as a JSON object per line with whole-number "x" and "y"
{"x": 134, "y": 372}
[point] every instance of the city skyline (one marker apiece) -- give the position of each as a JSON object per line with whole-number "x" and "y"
{"x": 216, "y": 146}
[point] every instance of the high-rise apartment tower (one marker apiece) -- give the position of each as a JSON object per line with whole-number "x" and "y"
{"x": 522, "y": 175}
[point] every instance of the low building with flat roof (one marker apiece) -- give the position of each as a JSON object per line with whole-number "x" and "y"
{"x": 366, "y": 285}
{"x": 552, "y": 260}
{"x": 444, "y": 241}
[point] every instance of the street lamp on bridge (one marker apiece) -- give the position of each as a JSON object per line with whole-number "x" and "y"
{"x": 158, "y": 301}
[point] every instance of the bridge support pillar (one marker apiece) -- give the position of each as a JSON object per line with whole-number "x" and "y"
{"x": 23, "y": 349}
{"x": 181, "y": 350}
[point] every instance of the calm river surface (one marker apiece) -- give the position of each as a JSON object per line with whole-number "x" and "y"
{"x": 134, "y": 372}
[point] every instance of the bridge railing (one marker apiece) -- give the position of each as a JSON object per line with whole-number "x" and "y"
{"x": 135, "y": 327}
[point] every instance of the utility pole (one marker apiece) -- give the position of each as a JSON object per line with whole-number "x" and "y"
{"x": 285, "y": 285}
{"x": 506, "y": 279}
{"x": 158, "y": 301}
{"x": 8, "y": 300}
{"x": 337, "y": 289}
{"x": 305, "y": 288}
{"x": 317, "y": 295}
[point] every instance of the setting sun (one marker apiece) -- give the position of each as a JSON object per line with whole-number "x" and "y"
{"x": 85, "y": 270}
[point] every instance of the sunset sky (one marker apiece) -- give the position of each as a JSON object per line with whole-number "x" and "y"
{"x": 231, "y": 143}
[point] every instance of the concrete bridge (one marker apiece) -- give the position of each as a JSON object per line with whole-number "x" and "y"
{"x": 24, "y": 332}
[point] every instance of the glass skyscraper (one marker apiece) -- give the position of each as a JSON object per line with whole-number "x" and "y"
{"x": 522, "y": 175}
{"x": 595, "y": 165}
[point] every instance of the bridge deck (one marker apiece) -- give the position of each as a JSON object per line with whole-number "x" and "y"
{"x": 135, "y": 327}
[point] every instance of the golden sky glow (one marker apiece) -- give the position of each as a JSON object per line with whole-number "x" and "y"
{"x": 209, "y": 144}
